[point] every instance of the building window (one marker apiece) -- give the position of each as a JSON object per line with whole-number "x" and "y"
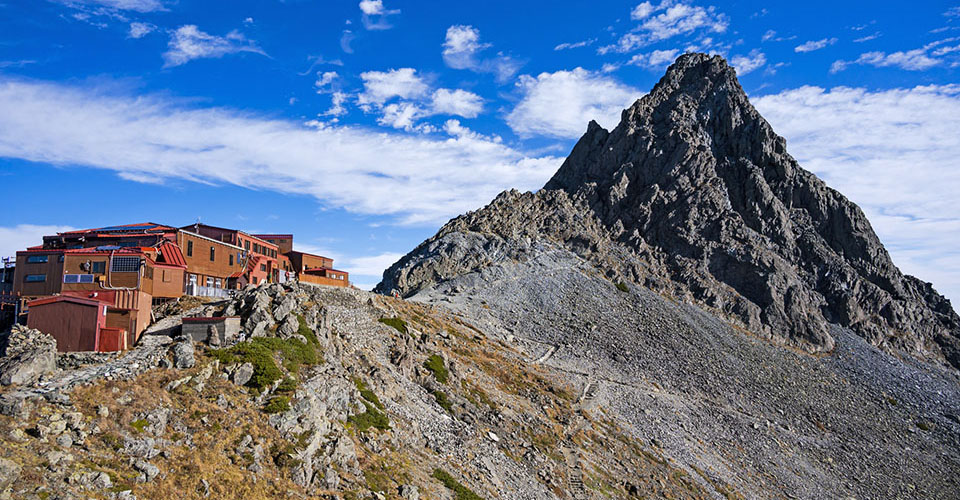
{"x": 231, "y": 259}
{"x": 263, "y": 267}
{"x": 213, "y": 254}
{"x": 165, "y": 276}
{"x": 246, "y": 245}
{"x": 218, "y": 283}
{"x": 209, "y": 281}
{"x": 37, "y": 259}
{"x": 125, "y": 265}
{"x": 35, "y": 278}
{"x": 193, "y": 279}
{"x": 189, "y": 249}
{"x": 98, "y": 267}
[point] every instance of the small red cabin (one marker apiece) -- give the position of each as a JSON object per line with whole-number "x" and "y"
{"x": 78, "y": 324}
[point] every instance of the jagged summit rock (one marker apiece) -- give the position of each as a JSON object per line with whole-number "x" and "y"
{"x": 693, "y": 194}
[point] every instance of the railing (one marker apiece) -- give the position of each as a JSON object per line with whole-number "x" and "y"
{"x": 208, "y": 291}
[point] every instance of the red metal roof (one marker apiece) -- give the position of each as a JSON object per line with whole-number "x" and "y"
{"x": 273, "y": 236}
{"x": 145, "y": 227}
{"x": 236, "y": 274}
{"x": 63, "y": 298}
{"x": 172, "y": 255}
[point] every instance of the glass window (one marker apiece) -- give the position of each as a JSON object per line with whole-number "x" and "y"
{"x": 246, "y": 245}
{"x": 218, "y": 283}
{"x": 213, "y": 254}
{"x": 35, "y": 278}
{"x": 37, "y": 259}
{"x": 99, "y": 266}
{"x": 231, "y": 259}
{"x": 209, "y": 281}
{"x": 263, "y": 267}
{"x": 189, "y": 249}
{"x": 193, "y": 279}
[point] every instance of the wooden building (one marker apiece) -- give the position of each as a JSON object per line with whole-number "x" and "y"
{"x": 317, "y": 269}
{"x": 77, "y": 324}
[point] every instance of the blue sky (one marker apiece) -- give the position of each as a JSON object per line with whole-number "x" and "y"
{"x": 362, "y": 126}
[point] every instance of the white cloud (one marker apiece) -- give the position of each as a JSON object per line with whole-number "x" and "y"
{"x": 813, "y": 45}
{"x": 21, "y": 236}
{"x": 461, "y": 50}
{"x": 769, "y": 35}
{"x": 374, "y": 15}
{"x": 131, "y": 5}
{"x": 913, "y": 60}
{"x": 457, "y": 102}
{"x": 324, "y": 83}
{"x": 658, "y": 59}
{"x": 668, "y": 19}
{"x": 381, "y": 86}
{"x": 891, "y": 152}
{"x": 373, "y": 265}
{"x": 560, "y": 104}
{"x": 417, "y": 179}
{"x": 641, "y": 11}
{"x": 345, "y": 40}
{"x": 952, "y": 12}
{"x": 867, "y": 38}
{"x": 140, "y": 30}
{"x": 337, "y": 100}
{"x": 188, "y": 43}
{"x": 414, "y": 99}
{"x": 575, "y": 45}
{"x": 745, "y": 64}
{"x": 920, "y": 59}
{"x": 400, "y": 115}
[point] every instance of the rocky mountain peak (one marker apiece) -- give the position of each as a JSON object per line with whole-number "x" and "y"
{"x": 694, "y": 195}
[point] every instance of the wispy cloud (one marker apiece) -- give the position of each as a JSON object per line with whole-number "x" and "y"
{"x": 417, "y": 179}
{"x": 375, "y": 16}
{"x": 889, "y": 151}
{"x": 656, "y": 60}
{"x": 932, "y": 54}
{"x": 21, "y": 236}
{"x": 668, "y": 19}
{"x": 560, "y": 104}
{"x": 142, "y": 6}
{"x": 462, "y": 48}
{"x": 188, "y": 43}
{"x": 813, "y": 45}
{"x": 745, "y": 64}
{"x": 575, "y": 45}
{"x": 414, "y": 99}
{"x": 140, "y": 30}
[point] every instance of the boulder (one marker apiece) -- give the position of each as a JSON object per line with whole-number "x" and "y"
{"x": 243, "y": 374}
{"x": 183, "y": 353}
{"x": 29, "y": 354}
{"x": 9, "y": 473}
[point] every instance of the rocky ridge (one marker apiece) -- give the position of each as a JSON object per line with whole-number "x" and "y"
{"x": 366, "y": 397}
{"x": 693, "y": 194}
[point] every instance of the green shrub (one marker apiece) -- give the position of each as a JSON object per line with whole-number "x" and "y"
{"x": 277, "y": 404}
{"x": 460, "y": 491}
{"x": 370, "y": 418}
{"x": 622, "y": 287}
{"x": 288, "y": 385}
{"x": 367, "y": 393}
{"x": 306, "y": 331}
{"x": 435, "y": 364}
{"x": 442, "y": 400}
{"x": 140, "y": 424}
{"x": 261, "y": 352}
{"x": 399, "y": 324}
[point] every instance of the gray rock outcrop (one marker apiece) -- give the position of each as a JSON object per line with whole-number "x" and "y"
{"x": 28, "y": 355}
{"x": 694, "y": 195}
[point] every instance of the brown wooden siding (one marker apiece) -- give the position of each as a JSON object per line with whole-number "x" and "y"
{"x": 73, "y": 325}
